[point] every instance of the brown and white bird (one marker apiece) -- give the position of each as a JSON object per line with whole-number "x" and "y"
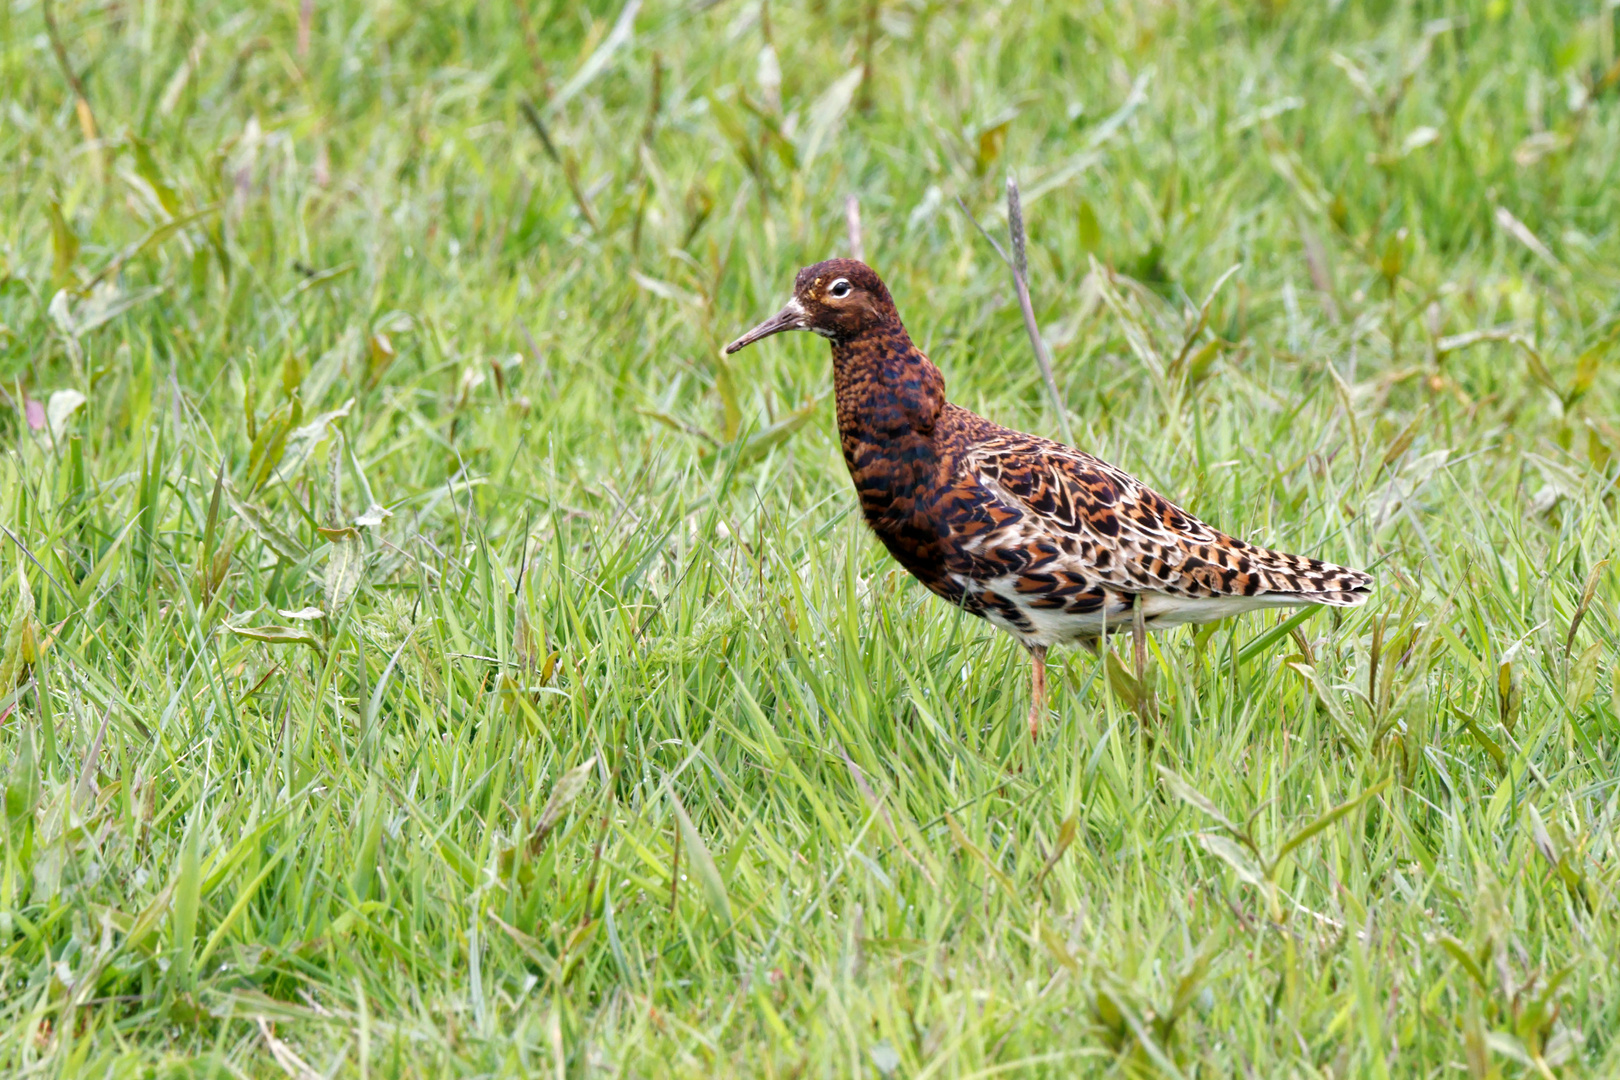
{"x": 1045, "y": 541}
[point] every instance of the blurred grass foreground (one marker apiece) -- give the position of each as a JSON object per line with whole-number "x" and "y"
{"x": 424, "y": 655}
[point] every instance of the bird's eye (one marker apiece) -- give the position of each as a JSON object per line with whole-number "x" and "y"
{"x": 839, "y": 288}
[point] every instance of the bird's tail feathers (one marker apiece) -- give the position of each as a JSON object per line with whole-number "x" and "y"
{"x": 1311, "y": 580}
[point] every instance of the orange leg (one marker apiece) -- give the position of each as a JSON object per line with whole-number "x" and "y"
{"x": 1037, "y": 704}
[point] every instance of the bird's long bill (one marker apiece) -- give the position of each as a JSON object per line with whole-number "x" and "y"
{"x": 789, "y": 318}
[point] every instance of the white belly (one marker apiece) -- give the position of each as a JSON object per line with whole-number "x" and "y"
{"x": 1160, "y": 611}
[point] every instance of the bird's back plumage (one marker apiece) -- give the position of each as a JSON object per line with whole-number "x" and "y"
{"x": 1084, "y": 539}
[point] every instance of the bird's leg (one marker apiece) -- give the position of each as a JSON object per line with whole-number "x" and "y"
{"x": 1037, "y": 705}
{"x": 1144, "y": 696}
{"x": 1138, "y": 639}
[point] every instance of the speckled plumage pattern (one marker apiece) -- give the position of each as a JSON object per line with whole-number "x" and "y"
{"x": 1047, "y": 542}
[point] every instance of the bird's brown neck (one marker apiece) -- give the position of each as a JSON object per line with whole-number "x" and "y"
{"x": 890, "y": 397}
{"x": 886, "y": 388}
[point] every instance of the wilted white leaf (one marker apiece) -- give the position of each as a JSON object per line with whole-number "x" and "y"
{"x": 373, "y": 516}
{"x": 303, "y": 614}
{"x": 63, "y": 404}
{"x": 885, "y": 1057}
{"x": 1522, "y": 233}
{"x": 105, "y": 303}
{"x": 61, "y": 312}
{"x": 770, "y": 77}
{"x": 1266, "y": 112}
{"x": 1538, "y": 146}
{"x": 1420, "y": 137}
{"x": 1557, "y": 483}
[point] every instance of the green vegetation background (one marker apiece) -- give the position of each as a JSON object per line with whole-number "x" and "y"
{"x": 400, "y": 589}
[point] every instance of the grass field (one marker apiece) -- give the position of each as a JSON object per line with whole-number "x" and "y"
{"x": 426, "y": 656}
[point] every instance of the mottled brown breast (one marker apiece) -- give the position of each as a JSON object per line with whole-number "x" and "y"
{"x": 890, "y": 397}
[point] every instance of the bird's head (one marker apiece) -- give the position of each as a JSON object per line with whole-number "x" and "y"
{"x": 838, "y": 299}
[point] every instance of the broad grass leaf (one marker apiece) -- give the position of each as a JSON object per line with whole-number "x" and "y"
{"x": 1593, "y": 579}
{"x": 244, "y": 895}
{"x": 763, "y": 442}
{"x": 1583, "y": 675}
{"x": 22, "y": 784}
{"x": 301, "y": 443}
{"x": 1266, "y": 640}
{"x": 343, "y": 569}
{"x": 271, "y": 441}
{"x": 1586, "y": 373}
{"x": 1328, "y": 818}
{"x": 567, "y": 788}
{"x": 1550, "y": 849}
{"x": 1228, "y": 851}
{"x": 1401, "y": 442}
{"x": 702, "y": 863}
{"x": 1347, "y": 726}
{"x": 147, "y": 168}
{"x": 187, "y": 897}
{"x": 1058, "y": 948}
{"x": 154, "y": 237}
{"x": 1193, "y": 976}
{"x": 20, "y": 649}
{"x": 1486, "y": 743}
{"x": 64, "y": 244}
{"x": 1500, "y": 800}
{"x": 615, "y": 945}
{"x": 991, "y": 141}
{"x": 1134, "y": 694}
{"x": 1192, "y": 796}
{"x": 278, "y": 635}
{"x": 1066, "y": 835}
{"x": 1460, "y": 953}
{"x": 1090, "y": 227}
{"x": 258, "y": 521}
{"x": 140, "y": 930}
{"x": 371, "y": 829}
{"x": 105, "y": 302}
{"x": 977, "y": 852}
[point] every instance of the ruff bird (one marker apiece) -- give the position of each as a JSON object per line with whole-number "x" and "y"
{"x": 1048, "y": 543}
